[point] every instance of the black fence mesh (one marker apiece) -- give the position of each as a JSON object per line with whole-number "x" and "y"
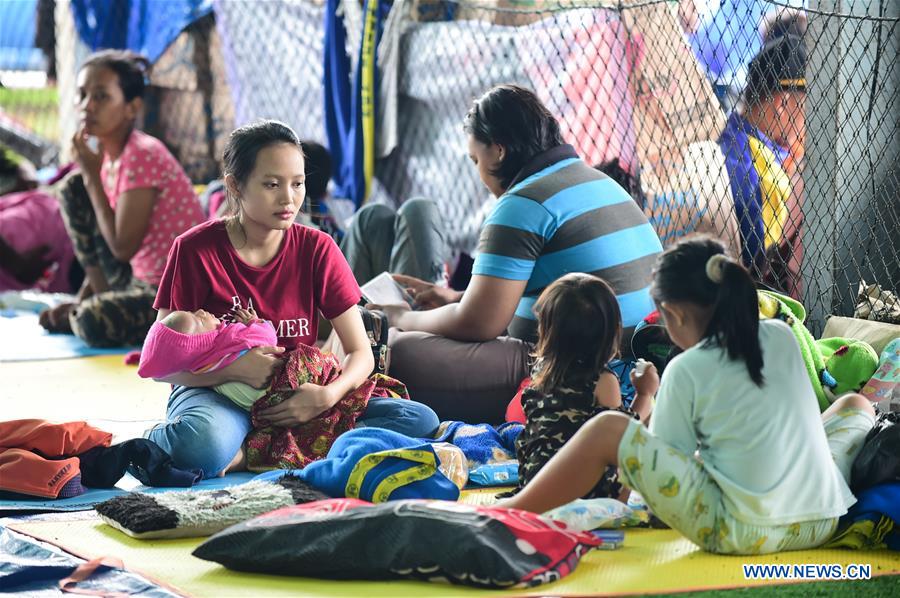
{"x": 643, "y": 89}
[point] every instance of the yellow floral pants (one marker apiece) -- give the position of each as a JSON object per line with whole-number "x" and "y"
{"x": 682, "y": 493}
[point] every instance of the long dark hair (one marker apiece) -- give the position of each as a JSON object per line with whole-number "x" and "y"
{"x": 515, "y": 118}
{"x": 244, "y": 146}
{"x": 631, "y": 183}
{"x": 579, "y": 326}
{"x": 133, "y": 70}
{"x": 318, "y": 170}
{"x": 689, "y": 272}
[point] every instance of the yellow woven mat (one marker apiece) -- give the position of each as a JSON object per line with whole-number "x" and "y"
{"x": 102, "y": 387}
{"x": 78, "y": 389}
{"x": 650, "y": 561}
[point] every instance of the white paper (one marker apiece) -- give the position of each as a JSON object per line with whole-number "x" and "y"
{"x": 384, "y": 290}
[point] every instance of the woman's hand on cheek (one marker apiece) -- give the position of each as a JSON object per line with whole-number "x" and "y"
{"x": 88, "y": 160}
{"x": 308, "y": 402}
{"x": 256, "y": 367}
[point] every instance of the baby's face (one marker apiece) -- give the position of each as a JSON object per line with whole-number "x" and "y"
{"x": 203, "y": 321}
{"x": 191, "y": 322}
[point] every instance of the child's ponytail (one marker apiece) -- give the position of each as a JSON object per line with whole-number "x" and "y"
{"x": 735, "y": 318}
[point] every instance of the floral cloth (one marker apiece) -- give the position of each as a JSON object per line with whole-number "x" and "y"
{"x": 274, "y": 447}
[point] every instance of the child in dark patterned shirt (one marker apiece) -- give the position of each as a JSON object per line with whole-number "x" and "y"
{"x": 579, "y": 326}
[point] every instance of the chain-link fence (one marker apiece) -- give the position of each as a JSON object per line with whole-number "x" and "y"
{"x": 794, "y": 169}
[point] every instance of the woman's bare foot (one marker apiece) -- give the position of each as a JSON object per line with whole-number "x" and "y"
{"x": 57, "y": 319}
{"x": 239, "y": 463}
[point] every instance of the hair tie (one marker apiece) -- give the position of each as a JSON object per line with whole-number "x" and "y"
{"x": 715, "y": 267}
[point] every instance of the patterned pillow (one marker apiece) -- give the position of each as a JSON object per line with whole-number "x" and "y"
{"x": 196, "y": 513}
{"x": 429, "y": 540}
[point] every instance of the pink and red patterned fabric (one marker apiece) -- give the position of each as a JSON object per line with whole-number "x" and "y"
{"x": 273, "y": 447}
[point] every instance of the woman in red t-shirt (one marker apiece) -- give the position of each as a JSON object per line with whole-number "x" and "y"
{"x": 259, "y": 258}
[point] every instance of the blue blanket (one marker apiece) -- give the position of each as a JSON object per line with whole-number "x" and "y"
{"x": 377, "y": 465}
{"x": 873, "y": 522}
{"x": 93, "y": 496}
{"x": 482, "y": 444}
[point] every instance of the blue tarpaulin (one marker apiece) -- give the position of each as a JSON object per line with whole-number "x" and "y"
{"x": 727, "y": 36}
{"x": 144, "y": 26}
{"x": 350, "y": 112}
{"x": 17, "y": 24}
{"x": 32, "y": 568}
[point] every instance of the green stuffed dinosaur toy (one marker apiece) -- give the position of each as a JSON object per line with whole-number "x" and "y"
{"x": 834, "y": 365}
{"x": 849, "y": 364}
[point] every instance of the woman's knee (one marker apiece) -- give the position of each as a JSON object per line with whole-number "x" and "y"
{"x": 606, "y": 431}
{"x": 103, "y": 321}
{"x": 855, "y": 401}
{"x": 608, "y": 422}
{"x": 420, "y": 419}
{"x": 373, "y": 216}
{"x": 406, "y": 417}
{"x": 197, "y": 444}
{"x": 418, "y": 210}
{"x": 204, "y": 430}
{"x": 73, "y": 197}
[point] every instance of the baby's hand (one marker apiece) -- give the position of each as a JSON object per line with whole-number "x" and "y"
{"x": 256, "y": 367}
{"x": 645, "y": 378}
{"x": 245, "y": 316}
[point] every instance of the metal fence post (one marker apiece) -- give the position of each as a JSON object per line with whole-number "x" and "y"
{"x": 821, "y": 173}
{"x": 869, "y": 230}
{"x": 851, "y": 223}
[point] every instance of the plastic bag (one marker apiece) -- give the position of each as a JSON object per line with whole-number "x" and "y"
{"x": 453, "y": 463}
{"x": 879, "y": 459}
{"x": 598, "y": 513}
{"x": 505, "y": 473}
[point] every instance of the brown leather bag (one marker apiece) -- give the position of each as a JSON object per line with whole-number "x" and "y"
{"x": 377, "y": 326}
